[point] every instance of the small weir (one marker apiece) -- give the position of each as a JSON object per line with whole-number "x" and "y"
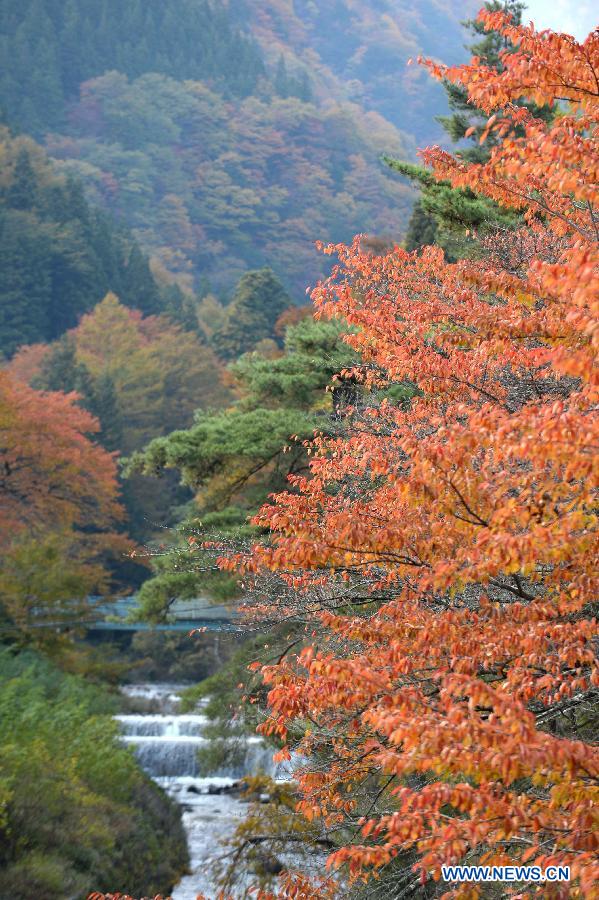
{"x": 166, "y": 744}
{"x": 167, "y": 747}
{"x": 162, "y": 725}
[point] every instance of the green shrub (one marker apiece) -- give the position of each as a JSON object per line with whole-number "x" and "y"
{"x": 76, "y": 811}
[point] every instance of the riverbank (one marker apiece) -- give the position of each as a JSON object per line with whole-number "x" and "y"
{"x": 77, "y": 813}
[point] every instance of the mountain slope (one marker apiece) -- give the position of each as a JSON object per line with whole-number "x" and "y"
{"x": 49, "y": 47}
{"x": 232, "y": 135}
{"x": 360, "y": 49}
{"x": 213, "y": 188}
{"x": 59, "y": 256}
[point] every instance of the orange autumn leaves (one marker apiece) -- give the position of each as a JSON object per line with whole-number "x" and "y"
{"x": 294, "y": 886}
{"x": 59, "y": 514}
{"x": 52, "y": 475}
{"x": 464, "y": 687}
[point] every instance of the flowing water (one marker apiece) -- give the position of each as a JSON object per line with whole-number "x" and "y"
{"x": 166, "y": 744}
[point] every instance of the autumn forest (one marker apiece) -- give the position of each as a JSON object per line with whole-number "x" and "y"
{"x": 299, "y": 451}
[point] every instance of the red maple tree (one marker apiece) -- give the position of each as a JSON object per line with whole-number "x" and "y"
{"x": 444, "y": 555}
{"x": 59, "y": 509}
{"x": 51, "y": 472}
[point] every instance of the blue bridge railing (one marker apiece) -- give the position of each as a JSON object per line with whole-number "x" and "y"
{"x": 184, "y": 615}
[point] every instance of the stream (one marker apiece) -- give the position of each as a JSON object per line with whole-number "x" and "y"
{"x": 166, "y": 745}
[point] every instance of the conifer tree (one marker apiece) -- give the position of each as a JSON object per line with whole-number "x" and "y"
{"x": 281, "y": 81}
{"x": 139, "y": 287}
{"x": 22, "y": 191}
{"x": 304, "y": 88}
{"x": 58, "y": 256}
{"x": 104, "y": 404}
{"x": 258, "y": 302}
{"x": 25, "y": 284}
{"x": 442, "y": 214}
{"x": 62, "y": 371}
{"x": 487, "y": 49}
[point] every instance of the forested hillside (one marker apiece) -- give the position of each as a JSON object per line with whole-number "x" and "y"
{"x": 360, "y": 50}
{"x": 141, "y": 376}
{"x": 212, "y": 188}
{"x": 77, "y": 812}
{"x": 58, "y": 255}
{"x": 49, "y": 47}
{"x": 230, "y": 136}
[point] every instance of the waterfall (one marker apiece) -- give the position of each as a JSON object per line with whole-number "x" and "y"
{"x": 167, "y": 747}
{"x": 161, "y": 725}
{"x": 166, "y": 744}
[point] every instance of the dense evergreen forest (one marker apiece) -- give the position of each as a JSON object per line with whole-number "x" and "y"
{"x": 51, "y": 47}
{"x": 59, "y": 255}
{"x": 388, "y": 492}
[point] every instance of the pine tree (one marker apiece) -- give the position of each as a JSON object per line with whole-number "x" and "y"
{"x": 463, "y": 115}
{"x": 422, "y": 228}
{"x": 105, "y": 406}
{"x": 450, "y": 216}
{"x": 22, "y": 191}
{"x": 304, "y": 88}
{"x": 139, "y": 288}
{"x": 34, "y": 63}
{"x": 281, "y": 81}
{"x": 258, "y": 302}
{"x": 70, "y": 42}
{"x": 25, "y": 284}
{"x": 233, "y": 458}
{"x": 443, "y": 215}
{"x": 181, "y": 307}
{"x": 61, "y": 371}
